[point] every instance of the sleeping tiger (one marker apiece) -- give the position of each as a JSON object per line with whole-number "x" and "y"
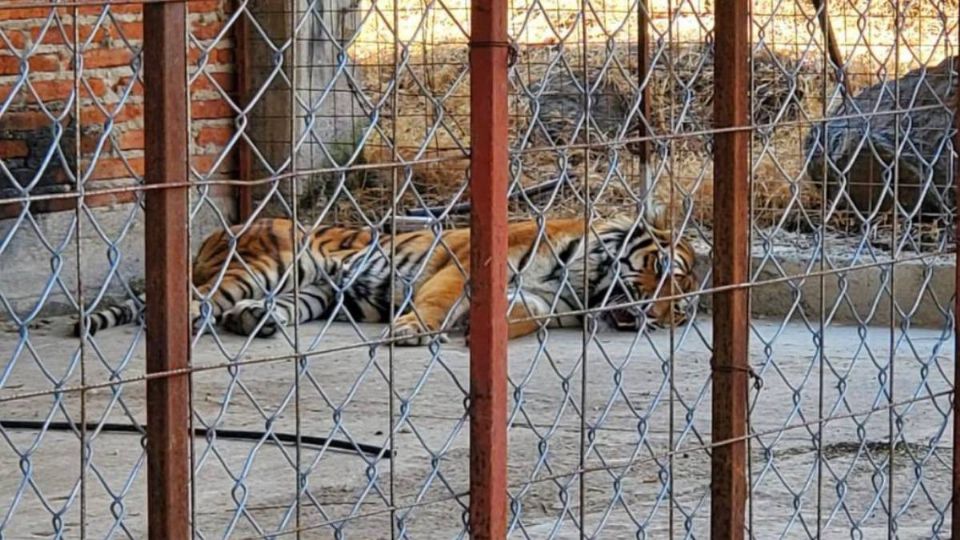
{"x": 345, "y": 273}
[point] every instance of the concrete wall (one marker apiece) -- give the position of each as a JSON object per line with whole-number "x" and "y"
{"x": 857, "y": 291}
{"x": 328, "y": 113}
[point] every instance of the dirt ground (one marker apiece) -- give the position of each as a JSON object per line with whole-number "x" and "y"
{"x": 248, "y": 488}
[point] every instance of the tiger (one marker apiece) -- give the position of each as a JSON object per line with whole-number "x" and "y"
{"x": 246, "y": 285}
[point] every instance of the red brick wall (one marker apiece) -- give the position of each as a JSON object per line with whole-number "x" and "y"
{"x": 38, "y": 50}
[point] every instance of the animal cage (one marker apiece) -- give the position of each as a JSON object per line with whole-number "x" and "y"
{"x": 439, "y": 268}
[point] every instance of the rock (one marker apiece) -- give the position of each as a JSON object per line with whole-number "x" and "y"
{"x": 862, "y": 149}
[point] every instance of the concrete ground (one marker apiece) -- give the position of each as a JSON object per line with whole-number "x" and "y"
{"x": 248, "y": 488}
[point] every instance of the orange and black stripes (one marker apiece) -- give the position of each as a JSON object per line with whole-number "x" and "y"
{"x": 347, "y": 273}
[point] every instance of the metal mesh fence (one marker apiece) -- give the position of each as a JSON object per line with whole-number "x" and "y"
{"x": 329, "y": 156}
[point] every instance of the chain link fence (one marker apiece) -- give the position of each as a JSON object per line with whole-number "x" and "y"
{"x": 730, "y": 271}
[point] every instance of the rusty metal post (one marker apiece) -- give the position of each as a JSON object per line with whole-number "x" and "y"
{"x": 642, "y": 147}
{"x": 488, "y": 269}
{"x": 167, "y": 270}
{"x": 955, "y": 510}
{"x": 731, "y": 197}
{"x": 244, "y": 192}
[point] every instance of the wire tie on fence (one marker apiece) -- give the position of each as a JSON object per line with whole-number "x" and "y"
{"x": 513, "y": 52}
{"x": 479, "y": 43}
{"x": 751, "y": 373}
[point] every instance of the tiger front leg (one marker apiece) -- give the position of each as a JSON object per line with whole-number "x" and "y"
{"x": 264, "y": 319}
{"x": 238, "y": 287}
{"x": 433, "y": 305}
{"x": 523, "y": 318}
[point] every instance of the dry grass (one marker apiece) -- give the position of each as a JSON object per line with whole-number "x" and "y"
{"x": 432, "y": 113}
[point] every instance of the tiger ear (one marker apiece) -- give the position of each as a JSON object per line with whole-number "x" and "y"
{"x": 657, "y": 216}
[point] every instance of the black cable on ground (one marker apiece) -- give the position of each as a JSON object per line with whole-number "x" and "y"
{"x": 236, "y": 434}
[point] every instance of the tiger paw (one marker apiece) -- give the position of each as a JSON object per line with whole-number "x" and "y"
{"x": 408, "y": 332}
{"x": 244, "y": 319}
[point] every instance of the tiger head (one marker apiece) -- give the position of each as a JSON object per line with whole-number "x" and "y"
{"x": 655, "y": 282}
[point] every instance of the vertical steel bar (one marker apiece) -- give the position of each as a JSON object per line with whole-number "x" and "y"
{"x": 672, "y": 179}
{"x": 642, "y": 147}
{"x": 731, "y": 266}
{"x": 167, "y": 270}
{"x": 588, "y": 322}
{"x": 78, "y": 216}
{"x": 488, "y": 269}
{"x": 244, "y": 193}
{"x": 892, "y": 432}
{"x": 824, "y": 5}
{"x": 955, "y": 509}
{"x": 300, "y": 364}
{"x": 394, "y": 291}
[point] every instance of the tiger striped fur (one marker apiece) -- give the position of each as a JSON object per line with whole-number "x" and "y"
{"x": 346, "y": 273}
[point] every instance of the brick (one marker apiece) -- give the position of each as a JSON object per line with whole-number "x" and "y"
{"x": 95, "y": 85}
{"x": 219, "y": 136}
{"x": 110, "y": 168}
{"x": 116, "y": 9}
{"x": 106, "y": 51}
{"x": 45, "y": 62}
{"x": 131, "y": 140}
{"x": 93, "y": 115}
{"x": 13, "y": 14}
{"x": 131, "y": 30}
{"x": 226, "y": 81}
{"x": 207, "y": 30}
{"x": 214, "y": 57}
{"x": 204, "y": 163}
{"x": 46, "y": 90}
{"x": 123, "y": 82}
{"x": 107, "y": 58}
{"x": 52, "y": 34}
{"x": 12, "y": 148}
{"x": 17, "y": 38}
{"x": 205, "y": 6}
{"x": 55, "y": 90}
{"x": 24, "y": 121}
{"x": 214, "y": 108}
{"x": 89, "y": 142}
{"x": 225, "y": 56}
{"x": 10, "y": 65}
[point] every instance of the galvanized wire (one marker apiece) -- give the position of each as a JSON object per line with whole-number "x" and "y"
{"x": 603, "y": 455}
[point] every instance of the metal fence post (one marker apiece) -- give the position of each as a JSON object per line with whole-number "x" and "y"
{"x": 645, "y": 78}
{"x": 244, "y": 192}
{"x": 731, "y": 197}
{"x": 488, "y": 269}
{"x": 955, "y": 509}
{"x": 167, "y": 270}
